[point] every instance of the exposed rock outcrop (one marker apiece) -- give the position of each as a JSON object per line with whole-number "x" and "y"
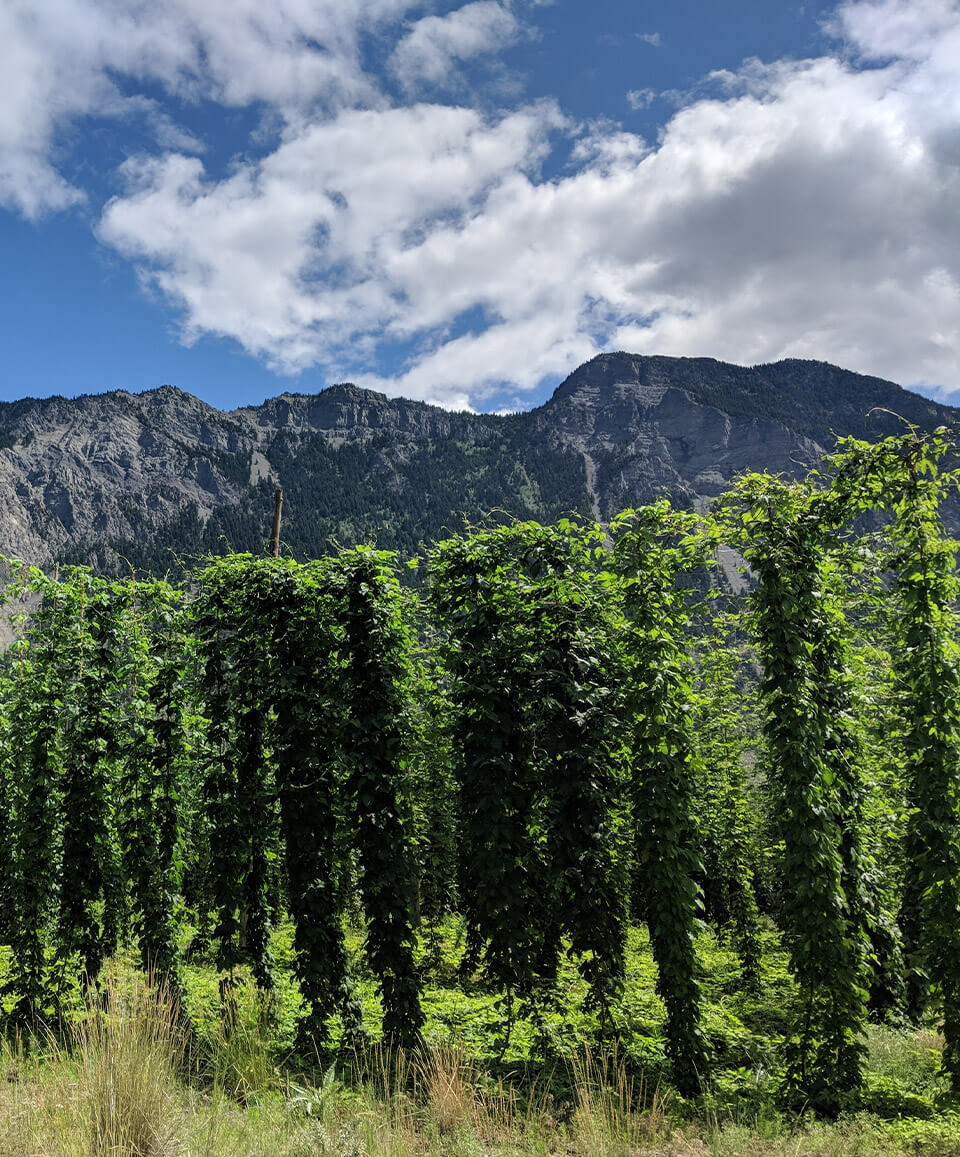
{"x": 117, "y": 476}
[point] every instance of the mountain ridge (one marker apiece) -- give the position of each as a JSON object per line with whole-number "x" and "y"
{"x": 119, "y": 479}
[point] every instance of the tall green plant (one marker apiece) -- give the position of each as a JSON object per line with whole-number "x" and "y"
{"x": 154, "y": 670}
{"x": 306, "y": 732}
{"x": 903, "y": 476}
{"x": 533, "y": 687}
{"x": 575, "y": 733}
{"x": 233, "y": 624}
{"x": 653, "y": 546}
{"x": 782, "y": 531}
{"x": 37, "y": 686}
{"x": 305, "y": 673}
{"x": 477, "y": 605}
{"x": 91, "y": 895}
{"x": 432, "y": 782}
{"x": 375, "y": 649}
{"x": 728, "y": 822}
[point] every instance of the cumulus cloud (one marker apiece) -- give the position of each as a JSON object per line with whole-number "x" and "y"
{"x": 897, "y": 29}
{"x": 292, "y": 255}
{"x": 435, "y": 45}
{"x": 808, "y": 210}
{"x": 61, "y": 61}
{"x": 651, "y": 38}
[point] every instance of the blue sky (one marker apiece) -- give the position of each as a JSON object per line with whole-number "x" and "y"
{"x": 463, "y": 202}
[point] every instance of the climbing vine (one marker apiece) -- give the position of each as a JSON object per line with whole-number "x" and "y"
{"x": 230, "y": 629}
{"x": 534, "y": 698}
{"x": 782, "y": 530}
{"x": 726, "y": 815}
{"x": 375, "y": 672}
{"x": 903, "y": 476}
{"x": 304, "y": 755}
{"x": 36, "y": 686}
{"x": 653, "y": 546}
{"x": 153, "y": 673}
{"x": 553, "y": 735}
{"x": 305, "y": 732}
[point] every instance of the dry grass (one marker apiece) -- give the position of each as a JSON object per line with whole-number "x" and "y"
{"x": 438, "y": 1101}
{"x": 447, "y": 1083}
{"x": 113, "y": 1088}
{"x": 237, "y": 1058}
{"x": 110, "y": 1088}
{"x": 614, "y": 1116}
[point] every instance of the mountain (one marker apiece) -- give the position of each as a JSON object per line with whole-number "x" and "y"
{"x": 150, "y": 479}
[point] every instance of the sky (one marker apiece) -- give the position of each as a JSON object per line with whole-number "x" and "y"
{"x": 461, "y": 203}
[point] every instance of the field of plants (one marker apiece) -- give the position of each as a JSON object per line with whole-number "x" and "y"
{"x": 563, "y": 848}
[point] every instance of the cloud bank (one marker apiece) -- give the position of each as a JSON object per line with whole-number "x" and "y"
{"x": 808, "y": 210}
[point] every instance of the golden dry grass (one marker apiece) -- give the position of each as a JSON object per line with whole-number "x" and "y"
{"x": 114, "y": 1086}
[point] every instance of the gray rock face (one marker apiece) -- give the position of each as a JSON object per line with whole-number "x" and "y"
{"x": 84, "y": 476}
{"x": 646, "y": 439}
{"x": 686, "y": 427}
{"x": 110, "y": 466}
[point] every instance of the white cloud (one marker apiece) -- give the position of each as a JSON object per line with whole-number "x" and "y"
{"x": 897, "y": 29}
{"x": 640, "y": 98}
{"x": 435, "y": 45}
{"x": 651, "y": 38}
{"x": 60, "y": 60}
{"x": 292, "y": 255}
{"x": 810, "y": 210}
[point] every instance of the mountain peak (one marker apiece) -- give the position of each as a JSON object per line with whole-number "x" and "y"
{"x": 140, "y": 476}
{"x": 811, "y": 398}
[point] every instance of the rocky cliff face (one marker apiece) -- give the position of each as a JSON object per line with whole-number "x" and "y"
{"x": 642, "y": 435}
{"x": 111, "y": 466}
{"x": 117, "y": 477}
{"x": 118, "y": 467}
{"x": 687, "y": 426}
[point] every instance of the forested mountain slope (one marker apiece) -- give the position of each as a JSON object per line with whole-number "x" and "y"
{"x": 145, "y": 479}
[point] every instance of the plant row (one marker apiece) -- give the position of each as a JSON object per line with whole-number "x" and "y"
{"x": 569, "y": 728}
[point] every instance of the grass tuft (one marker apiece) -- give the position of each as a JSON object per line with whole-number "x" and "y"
{"x": 109, "y": 1087}
{"x": 615, "y": 1115}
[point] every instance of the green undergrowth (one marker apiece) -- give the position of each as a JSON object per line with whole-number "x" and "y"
{"x": 560, "y": 1082}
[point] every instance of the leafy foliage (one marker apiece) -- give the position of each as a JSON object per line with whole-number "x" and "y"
{"x": 555, "y": 734}
{"x": 783, "y": 533}
{"x": 534, "y": 712}
{"x": 653, "y": 546}
{"x": 728, "y": 817}
{"x": 902, "y": 475}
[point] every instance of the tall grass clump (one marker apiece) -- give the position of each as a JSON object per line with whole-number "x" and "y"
{"x": 614, "y": 1115}
{"x": 437, "y": 1099}
{"x": 455, "y": 1100}
{"x": 237, "y": 1051}
{"x": 107, "y": 1086}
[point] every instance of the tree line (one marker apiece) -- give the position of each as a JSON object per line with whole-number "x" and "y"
{"x": 564, "y": 729}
